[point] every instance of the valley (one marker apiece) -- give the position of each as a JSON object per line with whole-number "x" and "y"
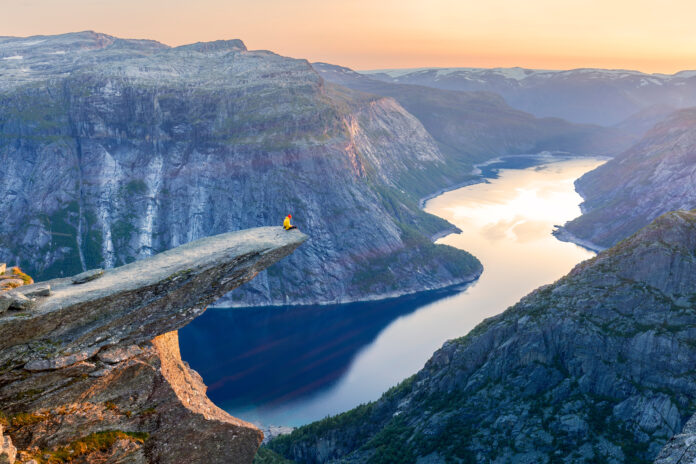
{"x": 289, "y": 366}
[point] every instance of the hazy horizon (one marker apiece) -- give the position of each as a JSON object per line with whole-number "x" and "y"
{"x": 362, "y": 35}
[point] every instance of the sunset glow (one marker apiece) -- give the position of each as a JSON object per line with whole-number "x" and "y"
{"x": 547, "y": 34}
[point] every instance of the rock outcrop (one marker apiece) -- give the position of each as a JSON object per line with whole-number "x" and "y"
{"x": 93, "y": 371}
{"x": 681, "y": 449}
{"x": 655, "y": 176}
{"x": 597, "y": 367}
{"x": 12, "y": 278}
{"x": 112, "y": 150}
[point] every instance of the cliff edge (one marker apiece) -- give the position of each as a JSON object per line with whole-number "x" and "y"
{"x": 91, "y": 372}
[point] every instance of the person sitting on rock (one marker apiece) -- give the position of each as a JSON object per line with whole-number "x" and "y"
{"x": 286, "y": 223}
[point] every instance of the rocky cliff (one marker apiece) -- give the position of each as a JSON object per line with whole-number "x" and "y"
{"x": 595, "y": 368}
{"x": 656, "y": 175}
{"x": 90, "y": 371}
{"x": 111, "y": 150}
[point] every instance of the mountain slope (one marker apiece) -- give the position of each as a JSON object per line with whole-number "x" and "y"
{"x": 597, "y": 367}
{"x": 656, "y": 175}
{"x": 594, "y": 96}
{"x": 476, "y": 126}
{"x": 115, "y": 149}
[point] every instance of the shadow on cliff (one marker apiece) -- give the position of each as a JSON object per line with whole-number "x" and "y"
{"x": 268, "y": 357}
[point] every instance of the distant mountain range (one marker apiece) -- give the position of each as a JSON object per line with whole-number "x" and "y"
{"x": 469, "y": 126}
{"x": 592, "y": 96}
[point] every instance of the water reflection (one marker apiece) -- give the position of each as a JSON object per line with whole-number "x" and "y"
{"x": 290, "y": 366}
{"x": 256, "y": 361}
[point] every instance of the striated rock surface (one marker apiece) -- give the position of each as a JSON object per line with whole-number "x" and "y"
{"x": 112, "y": 150}
{"x": 595, "y": 368}
{"x": 655, "y": 176}
{"x": 93, "y": 370}
{"x": 681, "y": 449}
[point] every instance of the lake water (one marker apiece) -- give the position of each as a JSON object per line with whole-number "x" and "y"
{"x": 294, "y": 365}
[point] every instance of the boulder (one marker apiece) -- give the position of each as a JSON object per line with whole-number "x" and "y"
{"x": 87, "y": 276}
{"x": 35, "y": 290}
{"x": 20, "y": 302}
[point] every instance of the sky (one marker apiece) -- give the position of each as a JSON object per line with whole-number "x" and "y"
{"x": 650, "y": 36}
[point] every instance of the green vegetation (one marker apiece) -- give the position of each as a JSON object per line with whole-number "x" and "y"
{"x": 92, "y": 443}
{"x": 24, "y": 419}
{"x": 388, "y": 443}
{"x": 268, "y": 456}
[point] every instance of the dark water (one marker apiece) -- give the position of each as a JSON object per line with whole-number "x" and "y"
{"x": 259, "y": 363}
{"x": 293, "y": 365}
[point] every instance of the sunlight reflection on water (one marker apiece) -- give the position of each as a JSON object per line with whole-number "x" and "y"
{"x": 506, "y": 223}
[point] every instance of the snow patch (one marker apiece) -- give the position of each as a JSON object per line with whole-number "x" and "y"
{"x": 397, "y": 72}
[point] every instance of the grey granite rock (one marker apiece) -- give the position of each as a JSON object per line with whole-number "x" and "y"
{"x": 36, "y": 290}
{"x": 104, "y": 356}
{"x": 19, "y": 301}
{"x": 86, "y": 276}
{"x": 681, "y": 449}
{"x": 655, "y": 176}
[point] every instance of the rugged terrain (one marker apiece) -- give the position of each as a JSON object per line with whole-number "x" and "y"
{"x": 595, "y": 96}
{"x": 91, "y": 371}
{"x": 113, "y": 149}
{"x": 471, "y": 127}
{"x": 595, "y": 368}
{"x": 656, "y": 175}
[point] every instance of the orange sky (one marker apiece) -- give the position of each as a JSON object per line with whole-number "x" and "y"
{"x": 652, "y": 36}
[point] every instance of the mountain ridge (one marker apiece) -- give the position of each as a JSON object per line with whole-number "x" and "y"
{"x": 654, "y": 176}
{"x": 596, "y": 367}
{"x": 584, "y": 95}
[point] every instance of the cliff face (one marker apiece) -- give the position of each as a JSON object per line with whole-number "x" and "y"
{"x": 111, "y": 150}
{"x": 93, "y": 370}
{"x": 597, "y": 367}
{"x": 655, "y": 176}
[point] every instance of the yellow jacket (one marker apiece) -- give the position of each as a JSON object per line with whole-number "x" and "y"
{"x": 286, "y": 223}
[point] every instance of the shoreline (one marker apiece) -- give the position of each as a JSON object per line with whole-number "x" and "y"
{"x": 450, "y": 284}
{"x": 562, "y": 234}
{"x": 543, "y": 157}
